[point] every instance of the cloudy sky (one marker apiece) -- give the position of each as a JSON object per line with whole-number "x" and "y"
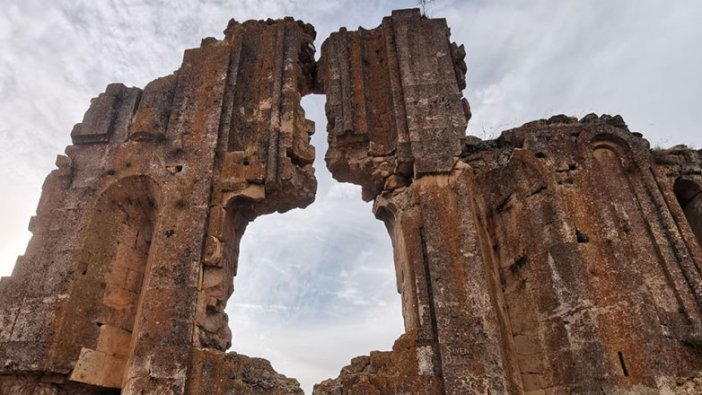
{"x": 316, "y": 287}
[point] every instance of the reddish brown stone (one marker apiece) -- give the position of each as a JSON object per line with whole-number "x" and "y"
{"x": 136, "y": 238}
{"x": 562, "y": 257}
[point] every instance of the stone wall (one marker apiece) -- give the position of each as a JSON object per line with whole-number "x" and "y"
{"x": 562, "y": 257}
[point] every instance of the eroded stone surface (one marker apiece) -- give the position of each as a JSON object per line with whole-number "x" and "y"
{"x": 404, "y": 370}
{"x": 234, "y": 373}
{"x": 394, "y": 103}
{"x": 559, "y": 258}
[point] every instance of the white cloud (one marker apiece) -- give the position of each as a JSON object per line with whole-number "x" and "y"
{"x": 316, "y": 286}
{"x": 531, "y": 60}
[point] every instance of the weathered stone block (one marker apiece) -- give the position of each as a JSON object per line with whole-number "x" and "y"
{"x": 8, "y": 317}
{"x": 97, "y": 368}
{"x": 109, "y": 115}
{"x": 114, "y": 341}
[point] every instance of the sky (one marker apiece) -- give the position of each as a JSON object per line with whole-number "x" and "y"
{"x": 316, "y": 287}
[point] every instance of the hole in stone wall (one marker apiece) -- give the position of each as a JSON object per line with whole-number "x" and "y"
{"x": 622, "y": 363}
{"x": 689, "y": 195}
{"x": 316, "y": 287}
{"x": 581, "y": 236}
{"x": 518, "y": 263}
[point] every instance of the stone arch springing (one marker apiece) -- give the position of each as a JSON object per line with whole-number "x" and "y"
{"x": 689, "y": 196}
{"x": 613, "y": 158}
{"x": 111, "y": 271}
{"x": 608, "y": 149}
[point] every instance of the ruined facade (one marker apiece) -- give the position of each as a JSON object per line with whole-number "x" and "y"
{"x": 562, "y": 257}
{"x": 135, "y": 243}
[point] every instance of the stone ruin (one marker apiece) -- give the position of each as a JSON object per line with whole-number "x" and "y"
{"x": 562, "y": 257}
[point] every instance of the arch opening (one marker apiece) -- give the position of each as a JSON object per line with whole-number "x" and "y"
{"x": 111, "y": 272}
{"x": 689, "y": 196}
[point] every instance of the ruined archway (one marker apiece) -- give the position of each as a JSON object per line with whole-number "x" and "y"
{"x": 315, "y": 287}
{"x": 226, "y": 140}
